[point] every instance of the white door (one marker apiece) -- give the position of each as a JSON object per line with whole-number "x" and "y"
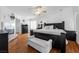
{"x": 18, "y": 26}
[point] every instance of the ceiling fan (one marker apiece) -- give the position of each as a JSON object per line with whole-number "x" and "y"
{"x": 39, "y": 10}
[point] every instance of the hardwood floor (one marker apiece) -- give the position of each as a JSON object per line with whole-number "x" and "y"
{"x": 19, "y": 45}
{"x": 72, "y": 47}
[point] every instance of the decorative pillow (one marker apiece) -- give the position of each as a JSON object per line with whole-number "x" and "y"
{"x": 46, "y": 27}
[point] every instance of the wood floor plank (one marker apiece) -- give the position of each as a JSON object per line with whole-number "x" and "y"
{"x": 19, "y": 45}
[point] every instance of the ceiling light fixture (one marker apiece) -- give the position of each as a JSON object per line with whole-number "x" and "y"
{"x": 39, "y": 10}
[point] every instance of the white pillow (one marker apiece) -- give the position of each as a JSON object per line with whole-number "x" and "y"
{"x": 49, "y": 27}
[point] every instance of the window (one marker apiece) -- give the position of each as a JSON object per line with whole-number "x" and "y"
{"x": 33, "y": 24}
{"x": 9, "y": 25}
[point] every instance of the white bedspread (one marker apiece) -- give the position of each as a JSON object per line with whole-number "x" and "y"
{"x": 53, "y": 31}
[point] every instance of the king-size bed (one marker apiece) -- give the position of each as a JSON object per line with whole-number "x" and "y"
{"x": 51, "y": 31}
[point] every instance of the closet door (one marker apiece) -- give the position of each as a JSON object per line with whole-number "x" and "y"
{"x": 18, "y": 26}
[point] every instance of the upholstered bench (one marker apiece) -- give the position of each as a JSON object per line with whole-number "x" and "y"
{"x": 40, "y": 45}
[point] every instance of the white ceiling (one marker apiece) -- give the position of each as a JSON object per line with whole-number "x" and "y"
{"x": 28, "y": 10}
{"x": 21, "y": 10}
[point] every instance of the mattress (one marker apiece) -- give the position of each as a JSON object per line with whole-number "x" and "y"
{"x": 53, "y": 31}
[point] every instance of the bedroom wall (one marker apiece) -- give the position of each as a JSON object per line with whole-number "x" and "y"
{"x": 77, "y": 27}
{"x": 77, "y": 23}
{"x": 5, "y": 18}
{"x": 57, "y": 15}
{"x": 69, "y": 17}
{"x": 0, "y": 18}
{"x": 5, "y": 15}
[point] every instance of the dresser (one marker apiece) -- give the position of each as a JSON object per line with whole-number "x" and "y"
{"x": 3, "y": 42}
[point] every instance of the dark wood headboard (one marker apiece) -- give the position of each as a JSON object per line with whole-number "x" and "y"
{"x": 56, "y": 25}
